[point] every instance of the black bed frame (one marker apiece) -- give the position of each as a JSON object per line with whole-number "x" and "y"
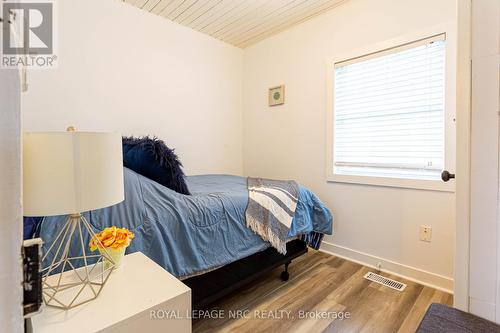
{"x": 212, "y": 286}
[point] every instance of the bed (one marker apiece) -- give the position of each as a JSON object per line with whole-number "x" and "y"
{"x": 202, "y": 237}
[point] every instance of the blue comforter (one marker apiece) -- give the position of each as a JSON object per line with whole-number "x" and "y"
{"x": 189, "y": 235}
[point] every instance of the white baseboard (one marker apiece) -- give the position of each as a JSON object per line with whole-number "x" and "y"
{"x": 414, "y": 274}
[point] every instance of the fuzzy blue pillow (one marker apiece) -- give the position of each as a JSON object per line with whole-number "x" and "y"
{"x": 151, "y": 158}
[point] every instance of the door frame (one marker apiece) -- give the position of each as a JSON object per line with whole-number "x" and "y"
{"x": 11, "y": 316}
{"x": 463, "y": 162}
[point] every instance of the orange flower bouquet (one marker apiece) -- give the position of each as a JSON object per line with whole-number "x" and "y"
{"x": 114, "y": 241}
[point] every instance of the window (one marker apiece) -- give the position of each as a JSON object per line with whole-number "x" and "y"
{"x": 389, "y": 113}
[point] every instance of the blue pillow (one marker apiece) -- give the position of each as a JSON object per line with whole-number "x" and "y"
{"x": 151, "y": 158}
{"x": 30, "y": 227}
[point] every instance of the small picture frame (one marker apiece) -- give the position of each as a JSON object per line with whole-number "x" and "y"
{"x": 277, "y": 95}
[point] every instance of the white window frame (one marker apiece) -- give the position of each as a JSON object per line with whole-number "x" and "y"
{"x": 450, "y": 107}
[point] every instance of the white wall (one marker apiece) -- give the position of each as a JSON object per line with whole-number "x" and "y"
{"x": 484, "y": 274}
{"x": 11, "y": 312}
{"x": 289, "y": 141}
{"x": 126, "y": 70}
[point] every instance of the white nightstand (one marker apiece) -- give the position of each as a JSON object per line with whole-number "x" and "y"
{"x": 127, "y": 303}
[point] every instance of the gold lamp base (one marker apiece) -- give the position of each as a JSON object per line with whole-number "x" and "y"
{"x": 64, "y": 285}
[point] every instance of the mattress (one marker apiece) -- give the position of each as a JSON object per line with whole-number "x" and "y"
{"x": 191, "y": 234}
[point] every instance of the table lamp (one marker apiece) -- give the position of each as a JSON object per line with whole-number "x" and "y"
{"x": 68, "y": 173}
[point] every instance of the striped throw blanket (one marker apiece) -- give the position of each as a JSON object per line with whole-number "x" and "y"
{"x": 270, "y": 210}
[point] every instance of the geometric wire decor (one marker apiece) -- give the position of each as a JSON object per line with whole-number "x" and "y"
{"x": 75, "y": 285}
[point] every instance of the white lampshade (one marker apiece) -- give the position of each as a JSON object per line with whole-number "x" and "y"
{"x": 71, "y": 172}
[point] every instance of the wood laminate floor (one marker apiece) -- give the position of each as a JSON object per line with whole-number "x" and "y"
{"x": 321, "y": 287}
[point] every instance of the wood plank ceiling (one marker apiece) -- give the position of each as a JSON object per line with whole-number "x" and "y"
{"x": 238, "y": 22}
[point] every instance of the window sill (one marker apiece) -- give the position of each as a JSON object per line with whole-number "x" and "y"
{"x": 428, "y": 185}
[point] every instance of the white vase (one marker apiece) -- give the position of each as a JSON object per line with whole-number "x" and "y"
{"x": 116, "y": 255}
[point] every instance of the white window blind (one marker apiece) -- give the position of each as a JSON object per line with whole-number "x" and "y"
{"x": 389, "y": 112}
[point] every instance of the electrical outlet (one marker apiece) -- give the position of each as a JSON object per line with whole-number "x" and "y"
{"x": 425, "y": 233}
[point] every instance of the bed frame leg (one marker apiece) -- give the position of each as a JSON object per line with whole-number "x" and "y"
{"x": 284, "y": 275}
